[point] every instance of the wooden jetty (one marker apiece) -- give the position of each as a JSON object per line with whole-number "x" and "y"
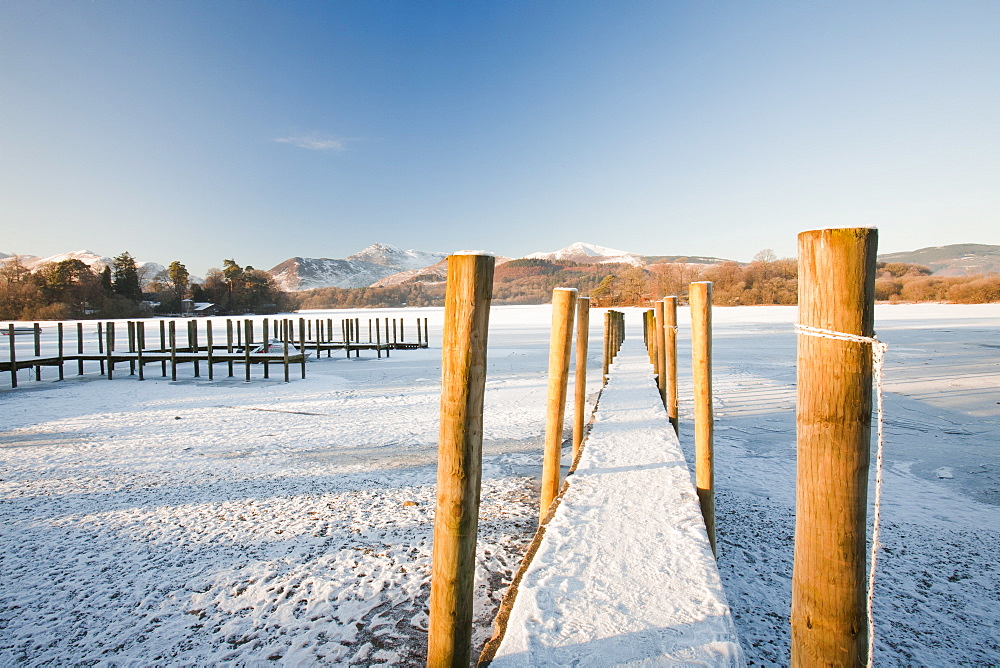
{"x": 282, "y": 341}
{"x": 623, "y": 571}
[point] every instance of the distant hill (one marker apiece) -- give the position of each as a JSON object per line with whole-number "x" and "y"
{"x": 951, "y": 260}
{"x": 584, "y": 253}
{"x": 91, "y": 259}
{"x": 687, "y": 259}
{"x": 359, "y": 270}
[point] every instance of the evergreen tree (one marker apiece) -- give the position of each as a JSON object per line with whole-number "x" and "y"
{"x": 178, "y": 275}
{"x": 126, "y": 277}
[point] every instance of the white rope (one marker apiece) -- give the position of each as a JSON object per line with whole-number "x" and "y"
{"x": 878, "y": 359}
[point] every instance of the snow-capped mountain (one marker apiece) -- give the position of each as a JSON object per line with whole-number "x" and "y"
{"x": 590, "y": 254}
{"x": 390, "y": 256}
{"x": 91, "y": 259}
{"x": 355, "y": 271}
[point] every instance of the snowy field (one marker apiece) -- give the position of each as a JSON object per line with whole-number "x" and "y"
{"x": 198, "y": 522}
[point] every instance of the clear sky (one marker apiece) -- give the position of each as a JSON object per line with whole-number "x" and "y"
{"x": 199, "y": 131}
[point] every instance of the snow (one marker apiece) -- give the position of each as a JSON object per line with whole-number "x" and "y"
{"x": 277, "y": 520}
{"x": 624, "y": 573}
{"x": 584, "y": 252}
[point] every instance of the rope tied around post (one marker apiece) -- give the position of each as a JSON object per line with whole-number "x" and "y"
{"x": 879, "y": 349}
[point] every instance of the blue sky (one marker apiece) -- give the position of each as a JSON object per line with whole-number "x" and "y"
{"x": 200, "y": 131}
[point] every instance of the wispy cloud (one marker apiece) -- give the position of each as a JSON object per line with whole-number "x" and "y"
{"x": 317, "y": 142}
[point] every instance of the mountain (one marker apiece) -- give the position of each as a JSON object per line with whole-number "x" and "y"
{"x": 686, "y": 259}
{"x": 390, "y": 256}
{"x": 951, "y": 260}
{"x": 91, "y": 259}
{"x": 355, "y": 271}
{"x": 589, "y": 254}
{"x": 435, "y": 273}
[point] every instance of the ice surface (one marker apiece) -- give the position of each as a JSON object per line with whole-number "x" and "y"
{"x": 270, "y": 519}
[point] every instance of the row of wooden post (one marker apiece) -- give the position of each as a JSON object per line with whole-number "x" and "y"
{"x": 283, "y": 330}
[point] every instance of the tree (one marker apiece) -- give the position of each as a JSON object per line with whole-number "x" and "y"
{"x": 126, "y": 277}
{"x": 178, "y": 275}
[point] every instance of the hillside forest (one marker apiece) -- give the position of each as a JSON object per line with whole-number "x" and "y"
{"x": 71, "y": 289}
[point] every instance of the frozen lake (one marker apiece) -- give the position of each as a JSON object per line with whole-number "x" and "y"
{"x": 198, "y": 522}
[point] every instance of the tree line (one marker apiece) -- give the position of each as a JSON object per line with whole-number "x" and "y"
{"x": 71, "y": 289}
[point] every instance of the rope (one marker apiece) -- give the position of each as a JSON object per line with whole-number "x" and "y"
{"x": 878, "y": 360}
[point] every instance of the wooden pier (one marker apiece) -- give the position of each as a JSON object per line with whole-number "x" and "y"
{"x": 282, "y": 341}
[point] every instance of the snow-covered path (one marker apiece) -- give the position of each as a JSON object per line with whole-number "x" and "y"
{"x": 624, "y": 574}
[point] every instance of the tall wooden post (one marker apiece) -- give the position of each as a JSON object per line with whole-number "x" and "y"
{"x": 606, "y": 362}
{"x": 59, "y": 327}
{"x": 670, "y": 345}
{"x": 38, "y": 350}
{"x": 247, "y": 343}
{"x": 79, "y": 348}
{"x": 580, "y": 384}
{"x": 131, "y": 346}
{"x": 229, "y": 345}
{"x": 456, "y": 519}
{"x": 140, "y": 343}
{"x": 173, "y": 350}
{"x": 13, "y": 355}
{"x": 284, "y": 344}
{"x": 834, "y": 406}
{"x": 563, "y": 305}
{"x": 659, "y": 331}
{"x": 110, "y": 348}
{"x": 163, "y": 348}
{"x": 208, "y": 344}
{"x": 700, "y": 297}
{"x": 302, "y": 344}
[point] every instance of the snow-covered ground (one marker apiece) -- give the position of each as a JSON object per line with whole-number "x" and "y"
{"x": 203, "y": 522}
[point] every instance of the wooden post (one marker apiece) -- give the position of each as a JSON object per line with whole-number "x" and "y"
{"x": 100, "y": 344}
{"x": 208, "y": 345}
{"x": 319, "y": 333}
{"x": 38, "y": 350}
{"x": 378, "y": 339}
{"x": 659, "y": 331}
{"x": 670, "y": 339}
{"x": 563, "y": 305}
{"x": 247, "y": 338}
{"x": 59, "y": 329}
{"x": 388, "y": 347}
{"x": 420, "y": 343}
{"x": 302, "y": 344}
{"x": 834, "y": 406}
{"x": 163, "y": 347}
{"x": 79, "y": 348}
{"x": 347, "y": 339}
{"x": 193, "y": 345}
{"x": 426, "y": 338}
{"x": 606, "y": 363}
{"x": 110, "y": 348}
{"x": 131, "y": 346}
{"x": 394, "y": 331}
{"x": 580, "y": 384}
{"x": 700, "y": 297}
{"x": 13, "y": 355}
{"x": 229, "y": 344}
{"x": 173, "y": 350}
{"x": 456, "y": 518}
{"x": 284, "y": 340}
{"x": 140, "y": 343}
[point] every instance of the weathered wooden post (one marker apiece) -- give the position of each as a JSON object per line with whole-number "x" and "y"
{"x": 193, "y": 345}
{"x": 284, "y": 341}
{"x": 606, "y": 363}
{"x": 563, "y": 305}
{"x": 208, "y": 344}
{"x": 131, "y": 346}
{"x": 834, "y": 406}
{"x": 670, "y": 339}
{"x": 456, "y": 518}
{"x": 229, "y": 345}
{"x": 659, "y": 325}
{"x": 59, "y": 328}
{"x": 140, "y": 343}
{"x": 173, "y": 350}
{"x": 302, "y": 344}
{"x": 79, "y": 348}
{"x": 163, "y": 348}
{"x": 426, "y": 339}
{"x": 100, "y": 344}
{"x": 110, "y": 348}
{"x": 580, "y": 384}
{"x": 38, "y": 349}
{"x": 378, "y": 340}
{"x": 700, "y": 297}
{"x": 247, "y": 343}
{"x": 13, "y": 355}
